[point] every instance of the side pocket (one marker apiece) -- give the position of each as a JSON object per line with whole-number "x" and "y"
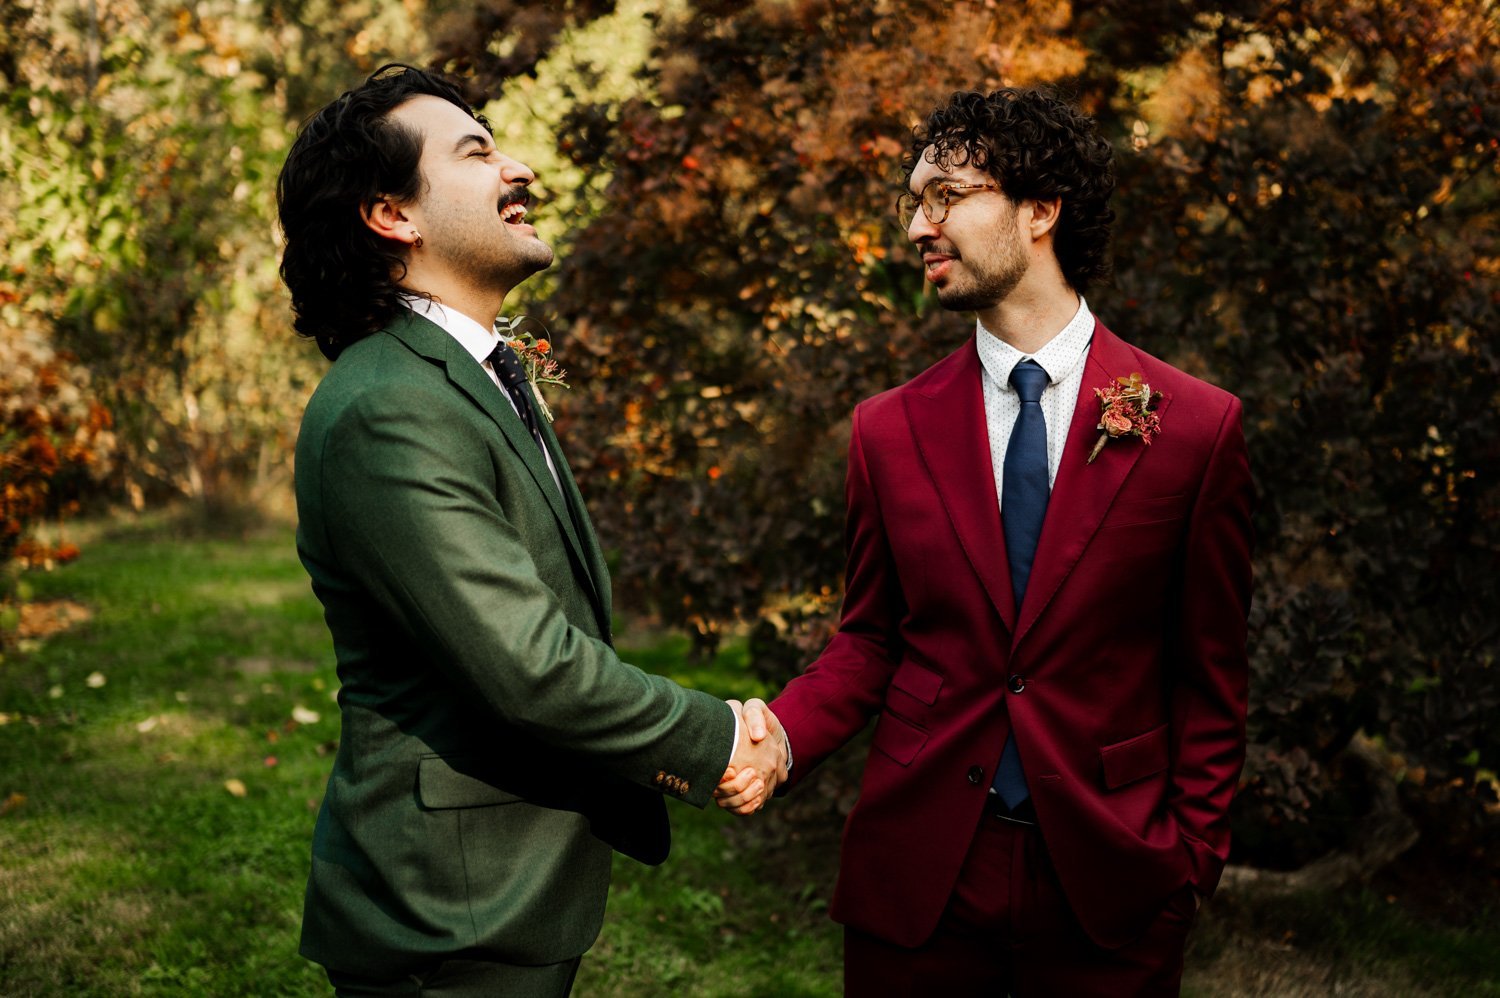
{"x": 442, "y": 782}
{"x": 1134, "y": 758}
{"x": 918, "y": 681}
{"x": 898, "y": 738}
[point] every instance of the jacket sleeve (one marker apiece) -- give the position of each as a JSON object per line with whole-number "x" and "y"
{"x": 836, "y": 696}
{"x": 411, "y": 512}
{"x": 1209, "y": 659}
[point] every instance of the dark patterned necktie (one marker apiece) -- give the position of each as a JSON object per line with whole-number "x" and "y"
{"x": 513, "y": 379}
{"x": 1025, "y": 490}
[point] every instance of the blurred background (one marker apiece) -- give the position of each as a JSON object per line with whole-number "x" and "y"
{"x": 1307, "y": 216}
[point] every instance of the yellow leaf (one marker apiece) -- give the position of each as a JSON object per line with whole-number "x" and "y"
{"x": 235, "y": 787}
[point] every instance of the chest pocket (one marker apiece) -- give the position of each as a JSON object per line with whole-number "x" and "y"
{"x": 1144, "y": 512}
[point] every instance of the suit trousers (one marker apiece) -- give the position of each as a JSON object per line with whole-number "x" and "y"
{"x": 1008, "y": 929}
{"x": 461, "y": 977}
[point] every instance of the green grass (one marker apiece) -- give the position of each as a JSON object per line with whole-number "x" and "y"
{"x": 130, "y": 868}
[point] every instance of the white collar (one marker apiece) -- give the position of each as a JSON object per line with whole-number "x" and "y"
{"x": 474, "y": 338}
{"x": 1058, "y": 356}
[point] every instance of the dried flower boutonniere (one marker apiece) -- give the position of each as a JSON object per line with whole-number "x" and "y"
{"x": 535, "y": 353}
{"x": 1125, "y": 411}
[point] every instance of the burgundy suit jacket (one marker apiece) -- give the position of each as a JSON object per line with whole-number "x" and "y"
{"x": 1130, "y": 644}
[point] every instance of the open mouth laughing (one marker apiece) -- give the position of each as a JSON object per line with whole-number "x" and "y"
{"x": 513, "y": 207}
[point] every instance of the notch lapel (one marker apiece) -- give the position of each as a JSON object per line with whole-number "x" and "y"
{"x": 1083, "y": 492}
{"x": 947, "y": 421}
{"x": 431, "y": 341}
{"x": 594, "y": 555}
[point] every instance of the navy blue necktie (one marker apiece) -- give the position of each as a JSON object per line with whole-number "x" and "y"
{"x": 1025, "y": 489}
{"x": 513, "y": 379}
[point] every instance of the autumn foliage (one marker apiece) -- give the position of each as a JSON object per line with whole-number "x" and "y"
{"x": 1307, "y": 216}
{"x": 55, "y": 442}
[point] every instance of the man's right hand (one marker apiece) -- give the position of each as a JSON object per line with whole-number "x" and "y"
{"x": 759, "y": 763}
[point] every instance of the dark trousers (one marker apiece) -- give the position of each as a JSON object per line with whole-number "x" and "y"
{"x": 1008, "y": 929}
{"x": 461, "y": 977}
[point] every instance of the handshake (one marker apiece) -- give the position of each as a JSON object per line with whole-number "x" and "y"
{"x": 760, "y": 762}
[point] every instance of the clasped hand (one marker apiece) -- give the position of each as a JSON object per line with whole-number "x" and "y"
{"x": 759, "y": 763}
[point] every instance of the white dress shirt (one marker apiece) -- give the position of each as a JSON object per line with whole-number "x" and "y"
{"x": 1062, "y": 358}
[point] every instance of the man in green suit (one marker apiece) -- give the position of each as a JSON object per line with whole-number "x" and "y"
{"x": 494, "y": 748}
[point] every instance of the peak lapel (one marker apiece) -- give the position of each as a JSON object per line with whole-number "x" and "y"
{"x": 464, "y": 372}
{"x": 1083, "y": 492}
{"x": 948, "y": 423}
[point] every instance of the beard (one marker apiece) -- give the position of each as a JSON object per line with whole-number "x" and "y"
{"x": 471, "y": 246}
{"x": 991, "y": 276}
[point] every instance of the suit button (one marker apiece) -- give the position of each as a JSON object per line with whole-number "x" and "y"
{"x": 686, "y": 786}
{"x": 976, "y": 775}
{"x": 1017, "y": 684}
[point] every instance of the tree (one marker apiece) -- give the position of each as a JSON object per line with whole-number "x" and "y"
{"x": 141, "y": 140}
{"x": 1307, "y": 216}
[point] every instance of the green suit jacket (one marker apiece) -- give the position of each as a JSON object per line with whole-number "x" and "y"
{"x": 493, "y": 748}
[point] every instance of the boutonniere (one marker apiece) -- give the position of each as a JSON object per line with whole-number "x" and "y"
{"x": 537, "y": 361}
{"x": 1125, "y": 411}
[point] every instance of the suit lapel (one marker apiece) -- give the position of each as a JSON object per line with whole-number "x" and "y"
{"x": 430, "y": 341}
{"x": 947, "y": 420}
{"x": 1083, "y": 492}
{"x": 594, "y": 555}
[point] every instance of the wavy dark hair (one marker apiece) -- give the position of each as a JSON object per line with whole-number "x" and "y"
{"x": 342, "y": 276}
{"x": 1036, "y": 145}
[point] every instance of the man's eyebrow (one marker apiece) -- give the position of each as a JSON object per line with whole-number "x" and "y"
{"x": 946, "y": 178}
{"x": 483, "y": 141}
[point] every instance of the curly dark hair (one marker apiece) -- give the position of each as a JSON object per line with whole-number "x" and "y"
{"x": 342, "y": 276}
{"x": 1036, "y": 145}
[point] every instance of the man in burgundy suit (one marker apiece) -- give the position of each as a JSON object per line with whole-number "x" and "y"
{"x": 1052, "y": 643}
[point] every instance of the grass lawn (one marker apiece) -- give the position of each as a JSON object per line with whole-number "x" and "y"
{"x": 161, "y": 764}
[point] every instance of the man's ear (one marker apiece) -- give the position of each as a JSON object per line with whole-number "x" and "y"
{"x": 388, "y": 221}
{"x": 1044, "y": 217}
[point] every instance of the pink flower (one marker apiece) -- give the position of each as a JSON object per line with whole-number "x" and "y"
{"x": 1116, "y": 424}
{"x": 1125, "y": 411}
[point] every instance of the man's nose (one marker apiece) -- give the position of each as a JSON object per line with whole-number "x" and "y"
{"x": 919, "y": 229}
{"x": 514, "y": 172}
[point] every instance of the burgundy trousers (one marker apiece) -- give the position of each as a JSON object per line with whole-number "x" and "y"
{"x": 1008, "y": 930}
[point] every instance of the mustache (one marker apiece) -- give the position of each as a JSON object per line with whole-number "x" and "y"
{"x": 516, "y": 195}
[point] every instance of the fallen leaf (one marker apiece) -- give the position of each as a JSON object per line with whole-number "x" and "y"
{"x": 42, "y": 620}
{"x": 55, "y": 692}
{"x": 147, "y": 725}
{"x": 4, "y": 720}
{"x": 270, "y": 761}
{"x": 235, "y": 787}
{"x": 302, "y": 715}
{"x": 12, "y": 802}
{"x": 95, "y": 680}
